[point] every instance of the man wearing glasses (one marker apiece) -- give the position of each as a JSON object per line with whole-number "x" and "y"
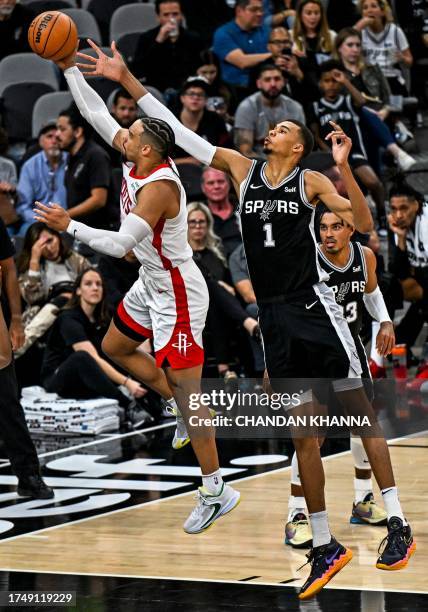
{"x": 241, "y": 44}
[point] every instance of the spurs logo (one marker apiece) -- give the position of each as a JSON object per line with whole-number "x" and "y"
{"x": 268, "y": 208}
{"x": 182, "y": 345}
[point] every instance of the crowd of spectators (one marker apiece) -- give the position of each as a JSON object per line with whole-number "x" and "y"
{"x": 230, "y": 70}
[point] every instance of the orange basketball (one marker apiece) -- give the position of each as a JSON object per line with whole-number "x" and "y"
{"x": 52, "y": 35}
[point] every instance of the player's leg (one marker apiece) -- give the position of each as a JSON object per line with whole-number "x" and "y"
{"x": 298, "y": 533}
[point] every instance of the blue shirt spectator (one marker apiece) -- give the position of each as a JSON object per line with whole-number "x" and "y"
{"x": 42, "y": 177}
{"x": 241, "y": 44}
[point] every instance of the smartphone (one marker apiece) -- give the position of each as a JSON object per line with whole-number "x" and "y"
{"x": 287, "y": 52}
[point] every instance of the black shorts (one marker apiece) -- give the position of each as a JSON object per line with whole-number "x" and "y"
{"x": 307, "y": 337}
{"x": 366, "y": 376}
{"x": 357, "y": 159}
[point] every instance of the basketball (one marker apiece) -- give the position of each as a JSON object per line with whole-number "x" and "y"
{"x": 52, "y": 35}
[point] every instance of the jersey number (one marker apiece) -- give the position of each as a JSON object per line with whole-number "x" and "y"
{"x": 351, "y": 312}
{"x": 269, "y": 242}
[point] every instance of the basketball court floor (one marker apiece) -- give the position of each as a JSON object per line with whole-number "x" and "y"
{"x": 114, "y": 532}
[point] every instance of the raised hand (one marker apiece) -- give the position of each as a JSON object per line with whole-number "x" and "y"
{"x": 112, "y": 68}
{"x": 341, "y": 144}
{"x": 54, "y": 216}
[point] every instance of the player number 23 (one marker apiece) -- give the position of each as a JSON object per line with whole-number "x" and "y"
{"x": 269, "y": 241}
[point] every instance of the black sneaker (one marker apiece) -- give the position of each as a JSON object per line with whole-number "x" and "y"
{"x": 137, "y": 416}
{"x": 35, "y": 487}
{"x": 326, "y": 561}
{"x": 397, "y": 547}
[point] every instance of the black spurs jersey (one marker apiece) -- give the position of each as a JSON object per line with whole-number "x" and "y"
{"x": 278, "y": 234}
{"x": 341, "y": 111}
{"x": 349, "y": 284}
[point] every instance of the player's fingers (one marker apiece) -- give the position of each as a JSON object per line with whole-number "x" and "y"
{"x": 114, "y": 48}
{"x": 86, "y": 69}
{"x": 336, "y": 126}
{"x": 329, "y": 136}
{"x": 95, "y": 47}
{"x": 85, "y": 56}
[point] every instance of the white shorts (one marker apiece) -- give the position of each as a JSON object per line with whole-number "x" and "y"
{"x": 170, "y": 307}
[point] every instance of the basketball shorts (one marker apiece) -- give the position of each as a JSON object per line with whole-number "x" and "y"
{"x": 305, "y": 336}
{"x": 170, "y": 307}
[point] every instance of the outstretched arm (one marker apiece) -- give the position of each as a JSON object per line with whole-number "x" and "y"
{"x": 115, "y": 68}
{"x": 91, "y": 105}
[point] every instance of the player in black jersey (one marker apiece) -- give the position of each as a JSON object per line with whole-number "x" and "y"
{"x": 352, "y": 276}
{"x": 298, "y": 313}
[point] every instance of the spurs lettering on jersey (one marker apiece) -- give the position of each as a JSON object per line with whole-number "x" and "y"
{"x": 268, "y": 207}
{"x": 341, "y": 291}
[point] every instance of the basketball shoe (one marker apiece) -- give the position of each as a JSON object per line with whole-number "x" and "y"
{"x": 210, "y": 508}
{"x": 181, "y": 436}
{"x": 298, "y": 533}
{"x": 367, "y": 512}
{"x": 397, "y": 547}
{"x": 325, "y": 562}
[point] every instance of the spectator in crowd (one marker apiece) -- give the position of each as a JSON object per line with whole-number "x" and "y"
{"x": 313, "y": 40}
{"x": 14, "y": 21}
{"x": 197, "y": 118}
{"x": 279, "y": 13}
{"x": 340, "y": 108}
{"x": 88, "y": 175}
{"x": 47, "y": 269}
{"x": 124, "y": 109}
{"x": 205, "y": 17}
{"x": 119, "y": 276}
{"x": 224, "y": 308}
{"x": 73, "y": 352}
{"x": 167, "y": 54}
{"x": 17, "y": 442}
{"x": 241, "y": 44}
{"x": 10, "y": 297}
{"x": 297, "y": 85}
{"x": 42, "y": 177}
{"x": 408, "y": 220}
{"x": 372, "y": 84}
{"x": 262, "y": 111}
{"x": 244, "y": 289}
{"x": 8, "y": 180}
{"x": 215, "y": 186}
{"x": 209, "y": 70}
{"x": 384, "y": 43}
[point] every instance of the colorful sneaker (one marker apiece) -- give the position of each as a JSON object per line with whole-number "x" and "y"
{"x": 398, "y": 546}
{"x": 367, "y": 512}
{"x": 326, "y": 561}
{"x": 298, "y": 532}
{"x": 210, "y": 508}
{"x": 181, "y": 436}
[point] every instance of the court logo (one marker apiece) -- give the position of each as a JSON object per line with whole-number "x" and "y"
{"x": 182, "y": 345}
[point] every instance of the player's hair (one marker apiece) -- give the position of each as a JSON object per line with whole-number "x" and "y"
{"x": 122, "y": 93}
{"x": 101, "y": 312}
{"x": 31, "y": 236}
{"x": 160, "y": 135}
{"x": 329, "y": 65}
{"x": 324, "y": 210}
{"x": 76, "y": 120}
{"x": 306, "y": 135}
{"x": 325, "y": 40}
{"x": 212, "y": 241}
{"x": 267, "y": 67}
{"x": 384, "y": 6}
{"x": 159, "y": 2}
{"x": 401, "y": 189}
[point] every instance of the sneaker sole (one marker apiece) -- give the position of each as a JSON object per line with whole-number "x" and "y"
{"x": 330, "y": 573}
{"x": 181, "y": 445}
{"x": 307, "y": 544}
{"x": 400, "y": 564}
{"x": 356, "y": 520}
{"x": 24, "y": 493}
{"x": 231, "y": 506}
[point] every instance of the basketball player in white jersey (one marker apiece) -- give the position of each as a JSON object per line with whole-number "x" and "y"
{"x": 169, "y": 301}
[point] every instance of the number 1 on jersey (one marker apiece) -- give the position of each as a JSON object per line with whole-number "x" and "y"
{"x": 269, "y": 242}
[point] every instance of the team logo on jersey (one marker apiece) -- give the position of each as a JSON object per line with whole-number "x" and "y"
{"x": 342, "y": 291}
{"x": 182, "y": 345}
{"x": 268, "y": 208}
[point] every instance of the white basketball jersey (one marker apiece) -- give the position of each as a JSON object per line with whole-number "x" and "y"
{"x": 167, "y": 247}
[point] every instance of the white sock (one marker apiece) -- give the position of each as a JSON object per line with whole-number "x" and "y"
{"x": 378, "y": 359}
{"x": 296, "y": 505}
{"x": 213, "y": 482}
{"x": 320, "y": 530}
{"x": 362, "y": 487}
{"x": 392, "y": 503}
{"x": 295, "y": 476}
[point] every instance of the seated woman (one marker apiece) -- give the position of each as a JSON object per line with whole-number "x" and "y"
{"x": 47, "y": 268}
{"x": 73, "y": 364}
{"x": 224, "y": 306}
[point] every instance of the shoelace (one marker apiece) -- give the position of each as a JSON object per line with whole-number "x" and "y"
{"x": 392, "y": 539}
{"x": 311, "y": 558}
{"x": 198, "y": 508}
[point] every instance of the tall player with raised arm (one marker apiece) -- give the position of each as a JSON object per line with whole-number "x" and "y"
{"x": 169, "y": 301}
{"x": 304, "y": 331}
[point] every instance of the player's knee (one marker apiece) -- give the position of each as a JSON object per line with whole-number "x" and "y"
{"x": 306, "y": 445}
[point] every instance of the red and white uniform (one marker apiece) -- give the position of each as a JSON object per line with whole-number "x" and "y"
{"x": 169, "y": 301}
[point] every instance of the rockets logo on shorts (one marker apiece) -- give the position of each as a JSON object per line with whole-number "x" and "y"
{"x": 182, "y": 345}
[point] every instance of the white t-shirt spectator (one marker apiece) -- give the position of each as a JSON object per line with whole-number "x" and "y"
{"x": 380, "y": 48}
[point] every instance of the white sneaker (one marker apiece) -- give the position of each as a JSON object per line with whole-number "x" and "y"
{"x": 405, "y": 161}
{"x": 211, "y": 507}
